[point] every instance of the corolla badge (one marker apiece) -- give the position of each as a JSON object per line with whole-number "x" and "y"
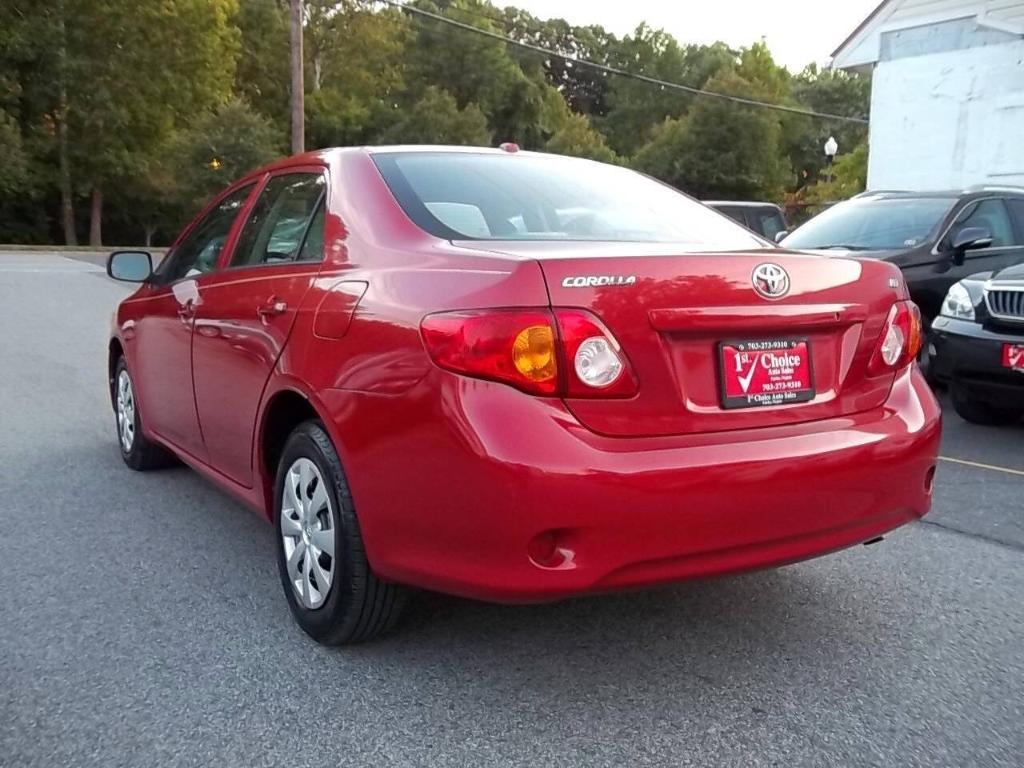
{"x": 770, "y": 280}
{"x": 594, "y": 281}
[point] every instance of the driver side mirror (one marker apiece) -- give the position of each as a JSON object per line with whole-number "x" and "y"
{"x": 130, "y": 266}
{"x": 781, "y": 235}
{"x": 969, "y": 239}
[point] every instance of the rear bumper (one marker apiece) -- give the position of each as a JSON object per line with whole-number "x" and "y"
{"x": 454, "y": 502}
{"x": 969, "y": 356}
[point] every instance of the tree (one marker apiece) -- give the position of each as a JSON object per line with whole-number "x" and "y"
{"x": 358, "y": 60}
{"x": 720, "y": 149}
{"x": 583, "y": 88}
{"x": 849, "y": 178}
{"x": 835, "y": 92}
{"x": 261, "y": 77}
{"x": 636, "y": 108}
{"x": 218, "y": 148}
{"x": 125, "y": 78}
{"x": 479, "y": 70}
{"x": 578, "y": 138}
{"x": 437, "y": 119}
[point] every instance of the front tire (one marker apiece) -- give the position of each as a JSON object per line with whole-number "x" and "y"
{"x": 137, "y": 451}
{"x": 979, "y": 412}
{"x": 331, "y": 590}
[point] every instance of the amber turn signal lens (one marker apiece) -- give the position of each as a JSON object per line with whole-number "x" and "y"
{"x": 533, "y": 353}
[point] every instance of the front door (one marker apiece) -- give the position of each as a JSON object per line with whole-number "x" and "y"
{"x": 1006, "y": 249}
{"x": 162, "y": 328}
{"x": 247, "y": 311}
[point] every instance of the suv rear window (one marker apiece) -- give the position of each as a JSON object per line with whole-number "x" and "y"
{"x": 468, "y": 196}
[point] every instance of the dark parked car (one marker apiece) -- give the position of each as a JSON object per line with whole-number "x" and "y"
{"x": 935, "y": 238}
{"x": 977, "y": 346}
{"x": 764, "y": 218}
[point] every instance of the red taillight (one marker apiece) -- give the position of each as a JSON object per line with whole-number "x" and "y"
{"x": 515, "y": 346}
{"x": 900, "y": 341}
{"x": 573, "y": 356}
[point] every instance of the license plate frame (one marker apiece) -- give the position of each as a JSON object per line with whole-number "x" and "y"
{"x": 786, "y": 394}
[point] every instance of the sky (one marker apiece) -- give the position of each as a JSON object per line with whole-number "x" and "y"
{"x": 797, "y": 31}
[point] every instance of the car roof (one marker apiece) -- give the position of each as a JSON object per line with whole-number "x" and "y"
{"x": 951, "y": 194}
{"x": 326, "y": 155}
{"x": 741, "y": 203}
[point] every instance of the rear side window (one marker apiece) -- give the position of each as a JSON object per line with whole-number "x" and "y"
{"x": 280, "y": 218}
{"x": 470, "y": 196}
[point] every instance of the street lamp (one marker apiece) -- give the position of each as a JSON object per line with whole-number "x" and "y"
{"x": 831, "y": 147}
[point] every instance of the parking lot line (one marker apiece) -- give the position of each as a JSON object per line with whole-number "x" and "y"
{"x": 980, "y": 465}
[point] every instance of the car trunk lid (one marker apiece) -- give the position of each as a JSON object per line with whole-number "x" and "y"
{"x": 672, "y": 311}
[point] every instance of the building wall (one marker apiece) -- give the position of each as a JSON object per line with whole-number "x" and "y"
{"x": 864, "y": 48}
{"x": 948, "y": 120}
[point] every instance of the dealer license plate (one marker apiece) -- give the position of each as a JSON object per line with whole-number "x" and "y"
{"x": 1013, "y": 357}
{"x": 765, "y": 372}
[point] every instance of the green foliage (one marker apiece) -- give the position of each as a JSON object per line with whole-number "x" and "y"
{"x": 849, "y": 178}
{"x": 578, "y": 138}
{"x": 636, "y": 108}
{"x": 437, "y": 119}
{"x": 221, "y": 146}
{"x": 720, "y": 149}
{"x": 148, "y": 94}
{"x": 835, "y": 92}
{"x": 14, "y": 168}
{"x": 262, "y": 75}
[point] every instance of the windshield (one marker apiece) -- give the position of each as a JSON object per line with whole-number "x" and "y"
{"x": 466, "y": 196}
{"x": 873, "y": 224}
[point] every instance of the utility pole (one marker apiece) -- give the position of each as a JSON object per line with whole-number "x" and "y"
{"x": 298, "y": 107}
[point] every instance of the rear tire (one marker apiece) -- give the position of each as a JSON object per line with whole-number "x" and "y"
{"x": 331, "y": 590}
{"x": 137, "y": 451}
{"x": 979, "y": 412}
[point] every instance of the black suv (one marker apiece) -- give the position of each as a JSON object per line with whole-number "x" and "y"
{"x": 977, "y": 346}
{"x": 936, "y": 238}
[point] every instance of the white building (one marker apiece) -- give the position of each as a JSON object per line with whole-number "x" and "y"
{"x": 947, "y": 94}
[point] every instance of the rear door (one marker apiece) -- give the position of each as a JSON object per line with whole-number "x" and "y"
{"x": 248, "y": 309}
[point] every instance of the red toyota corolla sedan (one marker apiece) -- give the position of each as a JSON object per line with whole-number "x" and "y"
{"x": 516, "y": 377}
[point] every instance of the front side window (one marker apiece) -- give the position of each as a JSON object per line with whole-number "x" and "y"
{"x": 1016, "y": 206}
{"x": 470, "y": 196}
{"x": 874, "y": 224}
{"x": 197, "y": 254}
{"x": 280, "y": 217}
{"x": 990, "y": 215}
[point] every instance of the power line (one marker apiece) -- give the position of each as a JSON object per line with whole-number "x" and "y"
{"x": 624, "y": 73}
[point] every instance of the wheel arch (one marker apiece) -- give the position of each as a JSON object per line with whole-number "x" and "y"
{"x": 115, "y": 351}
{"x": 282, "y": 411}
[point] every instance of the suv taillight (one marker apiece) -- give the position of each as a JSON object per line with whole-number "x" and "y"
{"x": 900, "y": 341}
{"x": 561, "y": 353}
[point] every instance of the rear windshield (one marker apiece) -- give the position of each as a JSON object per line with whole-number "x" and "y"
{"x": 873, "y": 225}
{"x": 466, "y": 196}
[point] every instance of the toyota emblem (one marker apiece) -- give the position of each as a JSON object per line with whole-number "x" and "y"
{"x": 770, "y": 280}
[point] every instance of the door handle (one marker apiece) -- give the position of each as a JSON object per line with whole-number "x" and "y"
{"x": 272, "y": 308}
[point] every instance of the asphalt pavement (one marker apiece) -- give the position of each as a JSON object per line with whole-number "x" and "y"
{"x": 142, "y": 620}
